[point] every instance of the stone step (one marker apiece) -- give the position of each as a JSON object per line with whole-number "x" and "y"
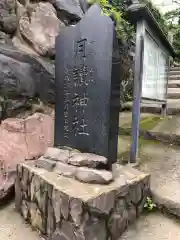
{"x": 175, "y": 69}
{"x": 153, "y": 226}
{"x": 173, "y": 107}
{"x": 162, "y": 162}
{"x": 175, "y": 72}
{"x": 174, "y": 77}
{"x": 174, "y": 93}
{"x": 174, "y": 83}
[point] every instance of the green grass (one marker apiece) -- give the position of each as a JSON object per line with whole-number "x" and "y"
{"x": 124, "y": 145}
{"x": 148, "y": 123}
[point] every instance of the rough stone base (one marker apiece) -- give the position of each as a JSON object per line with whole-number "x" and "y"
{"x": 65, "y": 209}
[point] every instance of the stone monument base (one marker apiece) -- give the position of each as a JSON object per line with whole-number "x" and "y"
{"x": 63, "y": 208}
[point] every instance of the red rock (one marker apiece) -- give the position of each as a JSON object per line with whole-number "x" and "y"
{"x": 20, "y": 140}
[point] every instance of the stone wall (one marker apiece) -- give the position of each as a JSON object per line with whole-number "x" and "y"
{"x": 65, "y": 209}
{"x": 28, "y": 30}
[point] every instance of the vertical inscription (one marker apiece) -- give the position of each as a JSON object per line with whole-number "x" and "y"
{"x": 82, "y": 77}
{"x": 81, "y": 48}
{"x": 66, "y": 103}
{"x": 79, "y": 77}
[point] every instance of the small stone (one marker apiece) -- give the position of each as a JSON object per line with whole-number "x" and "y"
{"x": 31, "y": 163}
{"x": 140, "y": 206}
{"x": 65, "y": 170}
{"x": 56, "y": 197}
{"x": 35, "y": 187}
{"x": 131, "y": 213}
{"x": 135, "y": 193}
{"x": 95, "y": 230}
{"x": 121, "y": 208}
{"x": 57, "y": 154}
{"x": 103, "y": 204}
{"x": 24, "y": 210}
{"x": 42, "y": 195}
{"x": 45, "y": 163}
{"x": 64, "y": 205}
{"x": 116, "y": 225}
{"x": 36, "y": 219}
{"x": 51, "y": 224}
{"x": 76, "y": 211}
{"x": 86, "y": 160}
{"x": 89, "y": 175}
{"x": 25, "y": 178}
{"x": 68, "y": 232}
{"x": 57, "y": 235}
{"x": 18, "y": 194}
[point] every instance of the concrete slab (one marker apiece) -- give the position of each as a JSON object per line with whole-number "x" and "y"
{"x": 169, "y": 125}
{"x": 174, "y": 93}
{"x": 153, "y": 126}
{"x": 175, "y": 77}
{"x": 162, "y": 161}
{"x": 175, "y": 72}
{"x": 154, "y": 226}
{"x": 175, "y": 83}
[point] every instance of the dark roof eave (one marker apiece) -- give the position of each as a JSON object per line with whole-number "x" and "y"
{"x": 141, "y": 11}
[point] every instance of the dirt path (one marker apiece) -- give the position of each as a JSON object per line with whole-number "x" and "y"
{"x": 12, "y": 226}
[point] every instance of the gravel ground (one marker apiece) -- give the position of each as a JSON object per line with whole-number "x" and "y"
{"x": 12, "y": 226}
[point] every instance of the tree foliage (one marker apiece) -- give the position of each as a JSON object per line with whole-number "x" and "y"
{"x": 157, "y": 15}
{"x": 114, "y": 9}
{"x": 117, "y": 10}
{"x": 173, "y": 20}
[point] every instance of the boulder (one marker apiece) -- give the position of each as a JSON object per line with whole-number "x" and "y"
{"x": 89, "y": 175}
{"x": 20, "y": 140}
{"x": 40, "y": 26}
{"x": 84, "y": 5}
{"x": 71, "y": 8}
{"x": 8, "y": 17}
{"x": 87, "y": 160}
{"x": 65, "y": 170}
{"x": 22, "y": 77}
{"x": 57, "y": 154}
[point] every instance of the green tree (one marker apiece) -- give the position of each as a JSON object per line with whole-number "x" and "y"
{"x": 157, "y": 15}
{"x": 125, "y": 30}
{"x": 117, "y": 10}
{"x": 173, "y": 20}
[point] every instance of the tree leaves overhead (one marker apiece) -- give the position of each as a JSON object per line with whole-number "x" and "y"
{"x": 157, "y": 15}
{"x": 117, "y": 10}
{"x": 114, "y": 9}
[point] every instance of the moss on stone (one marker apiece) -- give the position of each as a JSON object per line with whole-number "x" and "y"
{"x": 148, "y": 123}
{"x": 124, "y": 144}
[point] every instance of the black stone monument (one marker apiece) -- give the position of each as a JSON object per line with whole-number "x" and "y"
{"x": 87, "y": 86}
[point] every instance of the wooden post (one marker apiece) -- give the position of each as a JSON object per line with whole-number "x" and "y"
{"x": 137, "y": 91}
{"x": 164, "y": 110}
